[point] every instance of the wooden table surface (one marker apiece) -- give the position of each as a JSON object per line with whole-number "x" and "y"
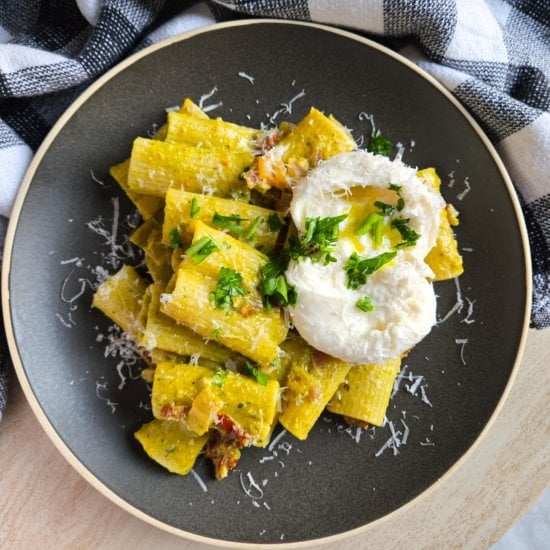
{"x": 44, "y": 503}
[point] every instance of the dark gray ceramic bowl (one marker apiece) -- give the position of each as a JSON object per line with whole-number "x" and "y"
{"x": 339, "y": 479}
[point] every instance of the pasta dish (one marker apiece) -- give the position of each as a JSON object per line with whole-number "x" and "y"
{"x": 286, "y": 272}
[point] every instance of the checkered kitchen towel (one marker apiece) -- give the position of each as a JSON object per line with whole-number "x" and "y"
{"x": 494, "y": 56}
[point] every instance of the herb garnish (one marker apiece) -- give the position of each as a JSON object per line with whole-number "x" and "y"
{"x": 256, "y": 373}
{"x": 195, "y": 207}
{"x": 216, "y": 332}
{"x": 229, "y": 222}
{"x": 373, "y": 223}
{"x": 379, "y": 145}
{"x": 318, "y": 241}
{"x": 202, "y": 249}
{"x": 358, "y": 268}
{"x": 274, "y": 223}
{"x": 408, "y": 234}
{"x": 251, "y": 231}
{"x": 385, "y": 208}
{"x": 174, "y": 238}
{"x": 219, "y": 374}
{"x": 229, "y": 285}
{"x": 276, "y": 291}
{"x": 401, "y": 201}
{"x": 365, "y": 304}
{"x": 396, "y": 188}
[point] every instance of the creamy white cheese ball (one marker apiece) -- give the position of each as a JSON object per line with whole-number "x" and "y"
{"x": 326, "y": 314}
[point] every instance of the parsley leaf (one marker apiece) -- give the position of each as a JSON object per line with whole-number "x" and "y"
{"x": 274, "y": 223}
{"x": 373, "y": 223}
{"x": 229, "y": 222}
{"x": 365, "y": 304}
{"x": 219, "y": 375}
{"x": 228, "y": 285}
{"x": 385, "y": 208}
{"x": 251, "y": 231}
{"x": 408, "y": 234}
{"x": 202, "y": 249}
{"x": 358, "y": 268}
{"x": 276, "y": 291}
{"x": 216, "y": 332}
{"x": 174, "y": 238}
{"x": 319, "y": 239}
{"x": 256, "y": 373}
{"x": 395, "y": 187}
{"x": 195, "y": 207}
{"x": 379, "y": 145}
{"x": 401, "y": 201}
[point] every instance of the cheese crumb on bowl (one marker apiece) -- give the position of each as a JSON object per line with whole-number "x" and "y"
{"x": 363, "y": 288}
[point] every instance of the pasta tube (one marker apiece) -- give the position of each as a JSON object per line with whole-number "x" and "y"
{"x": 155, "y": 166}
{"x": 230, "y": 253}
{"x": 164, "y": 333}
{"x": 316, "y": 137}
{"x": 444, "y": 259}
{"x": 365, "y": 393}
{"x": 210, "y": 133}
{"x": 252, "y": 332}
{"x": 168, "y": 444}
{"x": 201, "y": 398}
{"x": 242, "y": 220}
{"x": 311, "y": 382}
{"x": 149, "y": 205}
{"x": 119, "y": 297}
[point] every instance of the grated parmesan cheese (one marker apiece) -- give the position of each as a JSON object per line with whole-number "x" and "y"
{"x": 199, "y": 481}
{"x": 250, "y": 79}
{"x": 463, "y": 193}
{"x": 462, "y": 343}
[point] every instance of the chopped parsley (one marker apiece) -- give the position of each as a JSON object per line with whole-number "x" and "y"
{"x": 385, "y": 208}
{"x": 274, "y": 223}
{"x": 373, "y": 223}
{"x": 377, "y": 232}
{"x": 359, "y": 268}
{"x": 273, "y": 286}
{"x": 174, "y": 238}
{"x": 202, "y": 249}
{"x": 318, "y": 240}
{"x": 251, "y": 231}
{"x": 219, "y": 374}
{"x": 365, "y": 304}
{"x": 216, "y": 332}
{"x": 195, "y": 207}
{"x": 396, "y": 188}
{"x": 228, "y": 286}
{"x": 256, "y": 373}
{"x": 229, "y": 222}
{"x": 408, "y": 234}
{"x": 379, "y": 145}
{"x": 400, "y": 201}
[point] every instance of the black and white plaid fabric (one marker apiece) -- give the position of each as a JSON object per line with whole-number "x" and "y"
{"x": 493, "y": 55}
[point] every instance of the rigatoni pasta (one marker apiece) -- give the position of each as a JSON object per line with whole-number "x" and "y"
{"x": 209, "y": 308}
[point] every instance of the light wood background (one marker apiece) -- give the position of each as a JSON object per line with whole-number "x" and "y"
{"x": 44, "y": 503}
